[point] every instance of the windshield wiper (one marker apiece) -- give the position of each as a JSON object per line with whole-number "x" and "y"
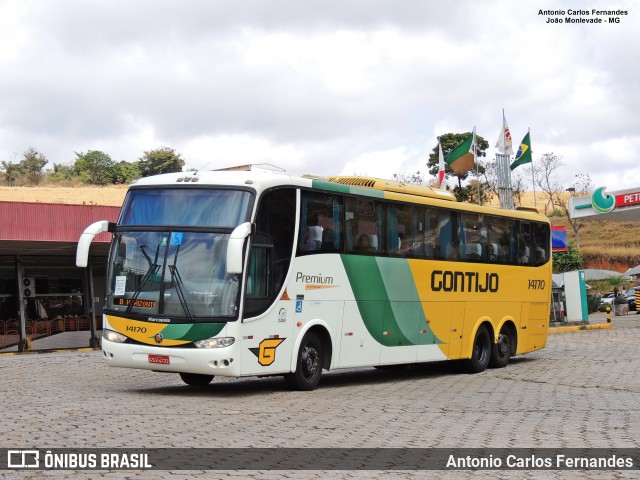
{"x": 153, "y": 269}
{"x": 179, "y": 284}
{"x": 176, "y": 279}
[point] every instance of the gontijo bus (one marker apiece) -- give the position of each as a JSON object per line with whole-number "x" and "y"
{"x": 254, "y": 272}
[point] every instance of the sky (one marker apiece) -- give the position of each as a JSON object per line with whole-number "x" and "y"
{"x": 323, "y": 87}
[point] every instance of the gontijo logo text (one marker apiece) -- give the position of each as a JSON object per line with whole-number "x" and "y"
{"x": 456, "y": 281}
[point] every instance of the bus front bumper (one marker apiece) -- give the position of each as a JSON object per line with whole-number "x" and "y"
{"x": 223, "y": 361}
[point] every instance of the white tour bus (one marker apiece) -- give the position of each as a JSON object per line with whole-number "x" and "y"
{"x": 253, "y": 272}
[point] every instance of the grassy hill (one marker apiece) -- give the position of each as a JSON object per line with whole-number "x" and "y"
{"x": 607, "y": 244}
{"x": 603, "y": 244}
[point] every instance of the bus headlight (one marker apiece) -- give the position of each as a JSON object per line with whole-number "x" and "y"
{"x": 215, "y": 342}
{"x": 113, "y": 336}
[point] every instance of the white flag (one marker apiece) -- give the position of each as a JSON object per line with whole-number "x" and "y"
{"x": 441, "y": 166}
{"x": 504, "y": 144}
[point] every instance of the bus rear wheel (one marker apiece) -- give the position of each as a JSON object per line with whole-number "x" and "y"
{"x": 196, "y": 379}
{"x": 481, "y": 352}
{"x": 501, "y": 350}
{"x": 308, "y": 365}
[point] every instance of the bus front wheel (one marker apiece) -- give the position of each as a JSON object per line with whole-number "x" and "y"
{"x": 481, "y": 352}
{"x": 196, "y": 379}
{"x": 308, "y": 364}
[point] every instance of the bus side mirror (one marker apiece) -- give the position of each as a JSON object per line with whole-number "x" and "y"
{"x": 84, "y": 243}
{"x": 235, "y": 246}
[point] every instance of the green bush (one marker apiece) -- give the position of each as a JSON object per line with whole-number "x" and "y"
{"x": 593, "y": 303}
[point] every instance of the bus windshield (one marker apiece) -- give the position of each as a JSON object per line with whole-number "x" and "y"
{"x": 176, "y": 274}
{"x": 196, "y": 207}
{"x": 168, "y": 256}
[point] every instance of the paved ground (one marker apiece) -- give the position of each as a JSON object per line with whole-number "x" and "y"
{"x": 581, "y": 391}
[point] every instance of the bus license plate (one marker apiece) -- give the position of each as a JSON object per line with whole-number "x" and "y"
{"x": 161, "y": 359}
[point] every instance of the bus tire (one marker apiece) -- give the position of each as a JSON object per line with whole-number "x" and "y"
{"x": 501, "y": 350}
{"x": 480, "y": 353}
{"x": 196, "y": 379}
{"x": 308, "y": 365}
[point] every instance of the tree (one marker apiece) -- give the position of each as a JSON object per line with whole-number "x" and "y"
{"x": 581, "y": 186}
{"x": 94, "y": 167}
{"x": 617, "y": 283}
{"x": 125, "y": 172}
{"x": 449, "y": 141}
{"x": 519, "y": 187}
{"x": 32, "y": 164}
{"x": 544, "y": 176}
{"x": 160, "y": 160}
{"x": 11, "y": 172}
{"x": 416, "y": 178}
{"x": 567, "y": 261}
{"x": 61, "y": 172}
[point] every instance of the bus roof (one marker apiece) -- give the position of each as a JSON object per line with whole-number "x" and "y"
{"x": 265, "y": 176}
{"x": 394, "y": 186}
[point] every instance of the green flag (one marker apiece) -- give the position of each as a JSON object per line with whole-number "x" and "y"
{"x": 524, "y": 153}
{"x": 462, "y": 158}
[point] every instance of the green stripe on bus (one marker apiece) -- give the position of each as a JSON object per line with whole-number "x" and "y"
{"x": 338, "y": 187}
{"x": 406, "y": 306}
{"x": 192, "y": 332}
{"x": 392, "y": 323}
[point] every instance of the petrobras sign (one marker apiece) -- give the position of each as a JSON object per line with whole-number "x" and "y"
{"x": 603, "y": 202}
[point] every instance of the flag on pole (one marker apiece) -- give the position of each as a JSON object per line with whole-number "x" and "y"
{"x": 462, "y": 158}
{"x": 504, "y": 143}
{"x": 524, "y": 153}
{"x": 441, "y": 167}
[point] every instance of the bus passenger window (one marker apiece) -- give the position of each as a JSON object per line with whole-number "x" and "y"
{"x": 404, "y": 235}
{"x": 498, "y": 233}
{"x": 525, "y": 242}
{"x": 320, "y": 223}
{"x": 364, "y": 225}
{"x": 541, "y": 240}
{"x": 444, "y": 233}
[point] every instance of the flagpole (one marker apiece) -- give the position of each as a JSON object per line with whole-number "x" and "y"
{"x": 441, "y": 166}
{"x": 475, "y": 160}
{"x": 533, "y": 178}
{"x": 504, "y": 133}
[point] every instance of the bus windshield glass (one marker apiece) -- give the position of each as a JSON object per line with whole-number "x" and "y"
{"x": 168, "y": 256}
{"x": 196, "y": 207}
{"x": 181, "y": 275}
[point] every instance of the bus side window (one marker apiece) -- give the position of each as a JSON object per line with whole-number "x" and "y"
{"x": 403, "y": 234}
{"x": 498, "y": 231}
{"x": 472, "y": 237}
{"x": 525, "y": 244}
{"x": 393, "y": 229}
{"x": 431, "y": 234}
{"x": 364, "y": 226}
{"x": 444, "y": 232}
{"x": 320, "y": 223}
{"x": 541, "y": 242}
{"x": 332, "y": 230}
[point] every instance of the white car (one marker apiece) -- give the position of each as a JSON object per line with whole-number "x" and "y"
{"x": 608, "y": 298}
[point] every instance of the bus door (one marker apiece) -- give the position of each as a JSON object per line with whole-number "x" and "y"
{"x": 268, "y": 325}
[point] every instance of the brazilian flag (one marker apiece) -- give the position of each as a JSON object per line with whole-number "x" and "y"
{"x": 524, "y": 153}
